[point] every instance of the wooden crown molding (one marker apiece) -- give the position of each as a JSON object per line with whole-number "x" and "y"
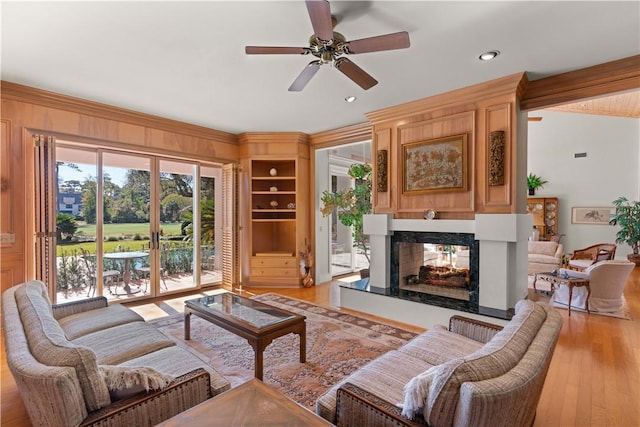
{"x": 265, "y": 137}
{"x": 514, "y": 83}
{"x": 17, "y": 92}
{"x": 344, "y": 135}
{"x": 598, "y": 80}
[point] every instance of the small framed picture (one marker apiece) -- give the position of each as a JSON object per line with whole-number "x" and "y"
{"x": 594, "y": 216}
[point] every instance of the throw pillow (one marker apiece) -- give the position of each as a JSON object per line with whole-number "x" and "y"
{"x": 416, "y": 392}
{"x": 124, "y": 382}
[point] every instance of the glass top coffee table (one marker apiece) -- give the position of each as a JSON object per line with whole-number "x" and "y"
{"x": 257, "y": 322}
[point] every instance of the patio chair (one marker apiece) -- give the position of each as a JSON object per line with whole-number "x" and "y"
{"x": 145, "y": 272}
{"x": 109, "y": 277}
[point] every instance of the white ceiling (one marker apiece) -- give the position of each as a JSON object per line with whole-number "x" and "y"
{"x": 185, "y": 60}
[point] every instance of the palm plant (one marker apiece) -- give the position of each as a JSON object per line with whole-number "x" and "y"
{"x": 627, "y": 216}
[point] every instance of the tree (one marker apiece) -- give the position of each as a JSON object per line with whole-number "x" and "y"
{"x": 351, "y": 204}
{"x": 172, "y": 207}
{"x": 66, "y": 226}
{"x": 89, "y": 201}
{"x": 207, "y": 221}
{"x": 72, "y": 186}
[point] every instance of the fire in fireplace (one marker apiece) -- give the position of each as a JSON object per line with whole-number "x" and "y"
{"x": 435, "y": 268}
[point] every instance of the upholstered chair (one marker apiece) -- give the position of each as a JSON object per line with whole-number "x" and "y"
{"x": 606, "y": 280}
{"x": 544, "y": 256}
{"x": 583, "y": 258}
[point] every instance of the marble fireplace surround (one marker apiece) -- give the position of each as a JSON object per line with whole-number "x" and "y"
{"x": 502, "y": 281}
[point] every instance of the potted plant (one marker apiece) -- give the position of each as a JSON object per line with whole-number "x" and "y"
{"x": 627, "y": 216}
{"x": 534, "y": 182}
{"x": 351, "y": 204}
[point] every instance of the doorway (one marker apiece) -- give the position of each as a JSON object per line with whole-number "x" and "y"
{"x": 336, "y": 255}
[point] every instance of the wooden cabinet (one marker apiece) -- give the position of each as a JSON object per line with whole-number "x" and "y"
{"x": 545, "y": 215}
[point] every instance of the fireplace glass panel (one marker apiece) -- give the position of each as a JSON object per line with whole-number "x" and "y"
{"x": 435, "y": 269}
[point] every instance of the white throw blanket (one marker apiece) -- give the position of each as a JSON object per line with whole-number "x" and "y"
{"x": 416, "y": 392}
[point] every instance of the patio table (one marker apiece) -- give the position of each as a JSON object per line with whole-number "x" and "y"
{"x": 127, "y": 257}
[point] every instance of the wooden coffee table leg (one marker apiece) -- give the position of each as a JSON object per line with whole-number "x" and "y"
{"x": 258, "y": 349}
{"x": 187, "y": 326}
{"x": 303, "y": 343}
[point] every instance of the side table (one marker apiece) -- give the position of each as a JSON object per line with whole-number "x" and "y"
{"x": 571, "y": 282}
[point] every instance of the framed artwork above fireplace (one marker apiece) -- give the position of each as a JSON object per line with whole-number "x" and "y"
{"x": 436, "y": 165}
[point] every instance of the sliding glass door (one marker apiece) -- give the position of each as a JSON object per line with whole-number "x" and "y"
{"x": 132, "y": 225}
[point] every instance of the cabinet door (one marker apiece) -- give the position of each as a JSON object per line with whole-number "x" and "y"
{"x": 535, "y": 206}
{"x": 551, "y": 217}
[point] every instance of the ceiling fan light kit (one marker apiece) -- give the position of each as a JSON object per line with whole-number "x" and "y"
{"x": 329, "y": 46}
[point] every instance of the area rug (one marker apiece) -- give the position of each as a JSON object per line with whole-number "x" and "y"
{"x": 623, "y": 313}
{"x": 337, "y": 344}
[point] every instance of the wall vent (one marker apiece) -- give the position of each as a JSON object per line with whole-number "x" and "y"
{"x": 578, "y": 155}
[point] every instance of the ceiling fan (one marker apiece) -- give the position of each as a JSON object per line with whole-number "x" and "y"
{"x": 329, "y": 46}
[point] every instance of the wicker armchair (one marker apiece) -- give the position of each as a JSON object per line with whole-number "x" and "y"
{"x": 583, "y": 258}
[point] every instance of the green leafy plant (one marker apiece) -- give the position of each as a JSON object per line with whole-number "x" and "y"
{"x": 627, "y": 216}
{"x": 535, "y": 182}
{"x": 351, "y": 204}
{"x": 66, "y": 226}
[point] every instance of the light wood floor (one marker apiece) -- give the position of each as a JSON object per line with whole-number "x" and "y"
{"x": 593, "y": 380}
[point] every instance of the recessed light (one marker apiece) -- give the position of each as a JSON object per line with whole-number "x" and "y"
{"x": 350, "y": 99}
{"x": 488, "y": 56}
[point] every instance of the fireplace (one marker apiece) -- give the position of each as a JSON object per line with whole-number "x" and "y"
{"x": 435, "y": 268}
{"x": 497, "y": 268}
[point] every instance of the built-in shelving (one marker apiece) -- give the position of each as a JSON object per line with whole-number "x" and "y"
{"x": 273, "y": 222}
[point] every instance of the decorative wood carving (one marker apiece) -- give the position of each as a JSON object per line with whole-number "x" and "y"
{"x": 496, "y": 158}
{"x": 381, "y": 170}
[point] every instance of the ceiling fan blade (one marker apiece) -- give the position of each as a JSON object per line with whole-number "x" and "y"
{"x": 355, "y": 73}
{"x": 375, "y": 44}
{"x": 305, "y": 76}
{"x": 320, "y": 14}
{"x": 271, "y": 50}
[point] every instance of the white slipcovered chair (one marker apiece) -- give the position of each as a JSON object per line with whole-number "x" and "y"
{"x": 544, "y": 256}
{"x": 606, "y": 280}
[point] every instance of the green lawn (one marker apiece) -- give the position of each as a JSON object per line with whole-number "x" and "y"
{"x": 125, "y": 234}
{"x": 128, "y": 230}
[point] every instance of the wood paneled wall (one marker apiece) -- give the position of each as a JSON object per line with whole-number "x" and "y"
{"x": 27, "y": 111}
{"x": 475, "y": 111}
